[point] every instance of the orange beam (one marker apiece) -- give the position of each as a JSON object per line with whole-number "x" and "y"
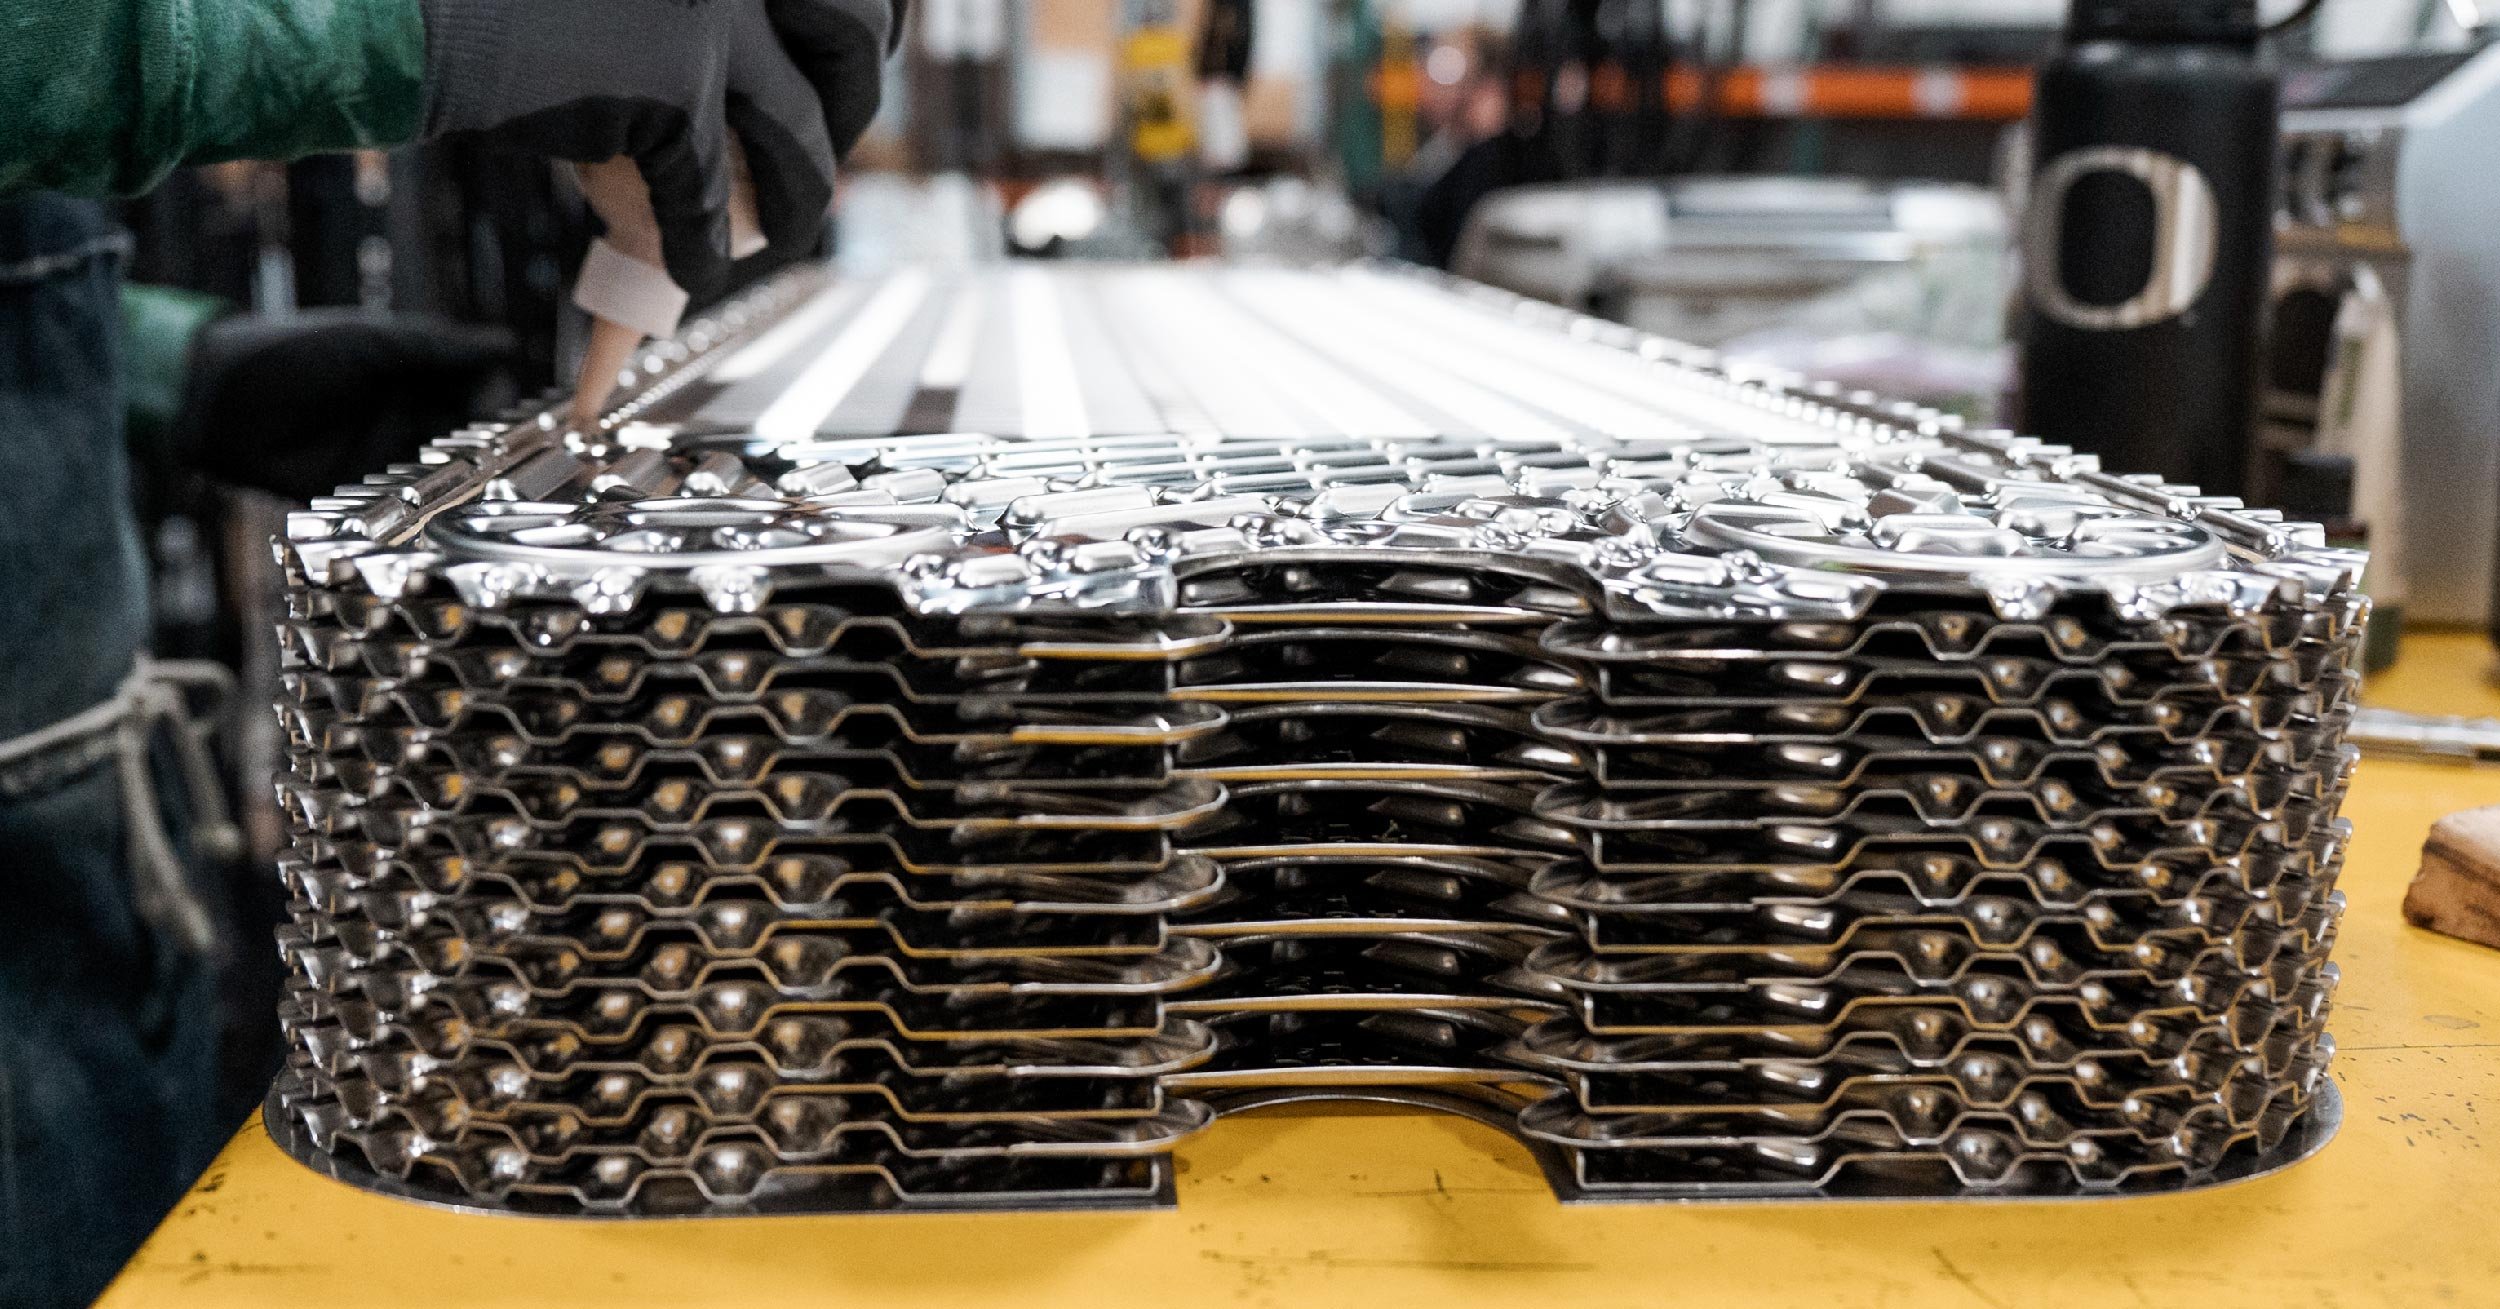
{"x": 1398, "y": 85}
{"x": 1846, "y": 91}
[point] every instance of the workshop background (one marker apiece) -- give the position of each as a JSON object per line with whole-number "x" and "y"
{"x": 1832, "y": 187}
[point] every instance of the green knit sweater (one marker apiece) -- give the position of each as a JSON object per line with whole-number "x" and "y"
{"x": 107, "y": 96}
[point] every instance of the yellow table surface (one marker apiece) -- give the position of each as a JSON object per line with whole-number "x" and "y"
{"x": 1331, "y": 1207}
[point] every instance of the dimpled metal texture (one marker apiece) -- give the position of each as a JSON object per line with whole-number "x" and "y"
{"x": 946, "y": 738}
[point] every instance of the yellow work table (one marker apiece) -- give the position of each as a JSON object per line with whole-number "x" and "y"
{"x": 1382, "y": 1209}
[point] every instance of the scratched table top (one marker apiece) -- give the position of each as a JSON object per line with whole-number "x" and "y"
{"x": 1331, "y": 1206}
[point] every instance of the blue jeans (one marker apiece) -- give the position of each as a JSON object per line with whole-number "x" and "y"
{"x": 108, "y": 1021}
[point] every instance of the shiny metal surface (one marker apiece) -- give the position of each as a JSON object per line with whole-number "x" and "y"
{"x": 1313, "y": 682}
{"x": 2394, "y": 189}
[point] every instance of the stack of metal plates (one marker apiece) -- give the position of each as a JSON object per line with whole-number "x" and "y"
{"x": 942, "y": 741}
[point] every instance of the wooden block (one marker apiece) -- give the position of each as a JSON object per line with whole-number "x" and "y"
{"x": 2457, "y": 893}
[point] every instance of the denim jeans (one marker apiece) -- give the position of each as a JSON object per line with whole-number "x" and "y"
{"x": 108, "y": 1020}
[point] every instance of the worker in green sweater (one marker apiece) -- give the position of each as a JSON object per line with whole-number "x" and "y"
{"x": 106, "y": 1025}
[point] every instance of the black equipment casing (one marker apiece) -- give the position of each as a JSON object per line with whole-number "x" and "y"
{"x": 2147, "y": 252}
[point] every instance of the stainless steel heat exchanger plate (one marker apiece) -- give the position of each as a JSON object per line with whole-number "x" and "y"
{"x": 944, "y": 739}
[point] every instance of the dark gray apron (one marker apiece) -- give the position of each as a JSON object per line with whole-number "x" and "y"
{"x": 108, "y": 1016}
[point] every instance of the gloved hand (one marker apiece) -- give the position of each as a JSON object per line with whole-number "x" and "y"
{"x": 665, "y": 82}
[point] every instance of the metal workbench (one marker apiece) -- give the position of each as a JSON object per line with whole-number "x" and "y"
{"x": 1336, "y": 1206}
